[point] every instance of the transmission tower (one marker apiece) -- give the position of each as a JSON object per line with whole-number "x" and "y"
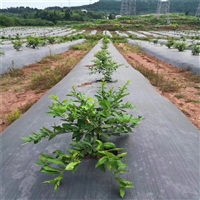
{"x": 163, "y": 8}
{"x": 128, "y": 7}
{"x": 198, "y": 11}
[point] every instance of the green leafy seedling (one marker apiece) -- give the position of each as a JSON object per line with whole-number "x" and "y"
{"x": 91, "y": 121}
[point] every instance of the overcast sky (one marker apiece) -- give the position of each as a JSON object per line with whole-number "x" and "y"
{"x": 43, "y": 3}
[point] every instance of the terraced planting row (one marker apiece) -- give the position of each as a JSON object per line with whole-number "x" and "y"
{"x": 163, "y": 150}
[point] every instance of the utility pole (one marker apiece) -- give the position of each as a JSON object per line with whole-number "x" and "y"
{"x": 198, "y": 11}
{"x": 163, "y": 8}
{"x": 128, "y": 7}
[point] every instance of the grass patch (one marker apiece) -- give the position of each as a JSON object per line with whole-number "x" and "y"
{"x": 196, "y": 86}
{"x": 51, "y": 58}
{"x": 193, "y": 101}
{"x": 41, "y": 82}
{"x": 26, "y": 107}
{"x": 117, "y": 39}
{"x": 158, "y": 80}
{"x": 84, "y": 46}
{"x": 198, "y": 93}
{"x": 129, "y": 48}
{"x": 11, "y": 72}
{"x": 179, "y": 96}
{"x": 50, "y": 77}
{"x": 14, "y": 115}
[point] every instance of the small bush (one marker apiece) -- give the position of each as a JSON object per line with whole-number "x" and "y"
{"x": 104, "y": 65}
{"x": 17, "y": 45}
{"x": 170, "y": 43}
{"x": 33, "y": 42}
{"x": 196, "y": 49}
{"x": 91, "y": 121}
{"x": 181, "y": 46}
{"x": 155, "y": 41}
{"x": 51, "y": 40}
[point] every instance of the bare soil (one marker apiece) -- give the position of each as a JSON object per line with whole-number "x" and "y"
{"x": 14, "y": 92}
{"x": 187, "y": 98}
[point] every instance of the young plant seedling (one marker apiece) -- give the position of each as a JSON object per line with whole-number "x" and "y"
{"x": 155, "y": 41}
{"x": 92, "y": 121}
{"x": 196, "y": 49}
{"x": 170, "y": 43}
{"x": 17, "y": 45}
{"x": 104, "y": 65}
{"x": 33, "y": 42}
{"x": 181, "y": 46}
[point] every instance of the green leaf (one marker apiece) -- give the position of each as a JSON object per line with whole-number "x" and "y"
{"x": 129, "y": 186}
{"x": 121, "y": 155}
{"x": 26, "y": 139}
{"x": 39, "y": 163}
{"x": 102, "y": 167}
{"x": 71, "y": 165}
{"x": 101, "y": 161}
{"x": 49, "y": 172}
{"x": 109, "y": 145}
{"x": 122, "y": 192}
{"x": 86, "y": 143}
{"x": 55, "y": 161}
{"x": 49, "y": 182}
{"x": 50, "y": 169}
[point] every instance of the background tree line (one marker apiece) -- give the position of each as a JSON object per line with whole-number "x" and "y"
{"x": 26, "y": 16}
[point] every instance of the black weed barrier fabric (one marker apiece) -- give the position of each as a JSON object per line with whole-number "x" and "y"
{"x": 179, "y": 59}
{"x": 18, "y": 59}
{"x": 163, "y": 150}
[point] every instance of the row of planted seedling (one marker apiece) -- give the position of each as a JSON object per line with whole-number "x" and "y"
{"x": 11, "y": 33}
{"x": 91, "y": 121}
{"x": 35, "y": 42}
{"x": 181, "y": 45}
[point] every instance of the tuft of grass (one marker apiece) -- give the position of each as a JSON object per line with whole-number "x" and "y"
{"x": 196, "y": 86}
{"x": 13, "y": 116}
{"x": 118, "y": 39}
{"x": 14, "y": 73}
{"x": 193, "y": 100}
{"x": 83, "y": 47}
{"x": 26, "y": 107}
{"x": 179, "y": 96}
{"x": 158, "y": 80}
{"x": 41, "y": 82}
{"x": 47, "y": 59}
{"x": 129, "y": 48}
{"x": 198, "y": 93}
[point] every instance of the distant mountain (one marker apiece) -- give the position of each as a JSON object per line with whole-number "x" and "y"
{"x": 113, "y": 6}
{"x": 143, "y": 6}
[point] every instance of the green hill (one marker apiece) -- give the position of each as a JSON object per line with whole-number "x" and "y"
{"x": 143, "y": 6}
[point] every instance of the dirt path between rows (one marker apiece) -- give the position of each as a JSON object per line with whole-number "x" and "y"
{"x": 185, "y": 93}
{"x": 16, "y": 93}
{"x": 20, "y": 89}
